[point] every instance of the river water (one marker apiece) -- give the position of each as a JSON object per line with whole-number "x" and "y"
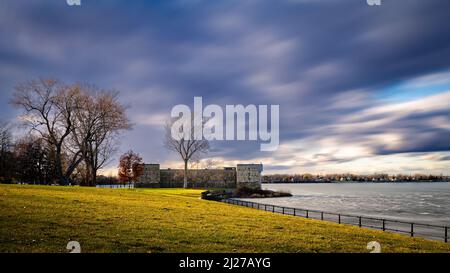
{"x": 414, "y": 202}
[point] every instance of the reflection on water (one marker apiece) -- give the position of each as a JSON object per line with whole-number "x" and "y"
{"x": 416, "y": 202}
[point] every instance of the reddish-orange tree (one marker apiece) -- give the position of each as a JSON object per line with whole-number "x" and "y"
{"x": 130, "y": 167}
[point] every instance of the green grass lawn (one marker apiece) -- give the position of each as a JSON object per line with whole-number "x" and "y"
{"x": 45, "y": 219}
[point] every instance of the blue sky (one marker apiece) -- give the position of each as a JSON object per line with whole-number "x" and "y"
{"x": 361, "y": 89}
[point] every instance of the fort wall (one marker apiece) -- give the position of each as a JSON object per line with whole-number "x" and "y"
{"x": 248, "y": 175}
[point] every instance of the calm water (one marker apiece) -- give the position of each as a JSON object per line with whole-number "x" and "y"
{"x": 417, "y": 202}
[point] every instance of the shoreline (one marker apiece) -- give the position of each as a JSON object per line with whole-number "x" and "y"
{"x": 421, "y": 202}
{"x": 432, "y": 232}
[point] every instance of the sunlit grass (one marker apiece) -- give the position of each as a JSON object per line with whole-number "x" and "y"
{"x": 45, "y": 219}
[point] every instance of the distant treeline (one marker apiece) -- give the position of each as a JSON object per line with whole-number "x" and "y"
{"x": 332, "y": 178}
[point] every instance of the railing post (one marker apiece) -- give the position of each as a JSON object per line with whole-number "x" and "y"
{"x": 283, "y": 210}
{"x": 265, "y": 207}
{"x": 446, "y": 235}
{"x": 321, "y": 215}
{"x": 384, "y": 225}
{"x": 339, "y": 218}
{"x": 273, "y": 208}
{"x": 412, "y": 229}
{"x": 307, "y": 214}
{"x": 294, "y": 212}
{"x": 360, "y": 221}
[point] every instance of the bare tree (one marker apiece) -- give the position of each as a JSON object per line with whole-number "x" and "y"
{"x": 48, "y": 110}
{"x": 81, "y": 122}
{"x": 98, "y": 122}
{"x": 188, "y": 149}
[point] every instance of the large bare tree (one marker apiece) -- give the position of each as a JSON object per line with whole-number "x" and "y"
{"x": 98, "y": 122}
{"x": 189, "y": 149}
{"x": 81, "y": 122}
{"x": 48, "y": 110}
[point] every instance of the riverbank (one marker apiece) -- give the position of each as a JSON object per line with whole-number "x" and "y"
{"x": 45, "y": 219}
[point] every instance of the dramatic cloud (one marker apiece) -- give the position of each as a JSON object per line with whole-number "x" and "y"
{"x": 360, "y": 88}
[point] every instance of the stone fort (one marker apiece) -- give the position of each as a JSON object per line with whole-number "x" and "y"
{"x": 243, "y": 175}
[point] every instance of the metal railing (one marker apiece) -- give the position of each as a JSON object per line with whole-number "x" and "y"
{"x": 117, "y": 186}
{"x": 435, "y": 232}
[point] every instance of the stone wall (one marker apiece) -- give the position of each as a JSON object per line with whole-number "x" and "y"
{"x": 248, "y": 175}
{"x": 150, "y": 175}
{"x": 199, "y": 178}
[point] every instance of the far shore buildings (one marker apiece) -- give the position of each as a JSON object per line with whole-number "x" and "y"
{"x": 243, "y": 175}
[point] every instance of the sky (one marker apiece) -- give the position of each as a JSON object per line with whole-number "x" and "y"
{"x": 362, "y": 89}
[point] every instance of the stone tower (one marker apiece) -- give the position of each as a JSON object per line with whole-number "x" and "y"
{"x": 249, "y": 175}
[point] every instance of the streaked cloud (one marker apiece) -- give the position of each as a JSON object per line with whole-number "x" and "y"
{"x": 360, "y": 89}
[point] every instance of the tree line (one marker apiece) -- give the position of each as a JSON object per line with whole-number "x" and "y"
{"x": 381, "y": 177}
{"x": 72, "y": 132}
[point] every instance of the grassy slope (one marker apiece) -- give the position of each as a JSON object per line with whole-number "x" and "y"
{"x": 45, "y": 219}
